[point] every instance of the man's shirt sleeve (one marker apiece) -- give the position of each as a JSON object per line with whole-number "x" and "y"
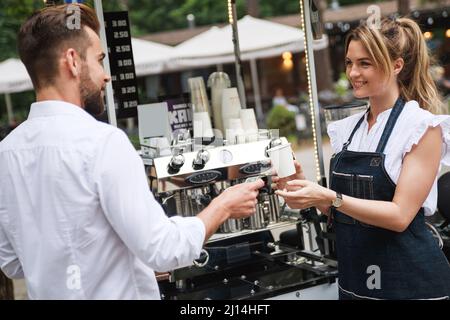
{"x": 162, "y": 243}
{"x": 9, "y": 262}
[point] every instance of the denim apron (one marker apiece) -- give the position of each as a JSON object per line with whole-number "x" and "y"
{"x": 376, "y": 263}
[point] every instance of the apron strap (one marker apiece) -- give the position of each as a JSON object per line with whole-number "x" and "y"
{"x": 345, "y": 146}
{"x": 395, "y": 113}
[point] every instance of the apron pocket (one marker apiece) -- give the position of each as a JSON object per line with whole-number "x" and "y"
{"x": 364, "y": 187}
{"x": 364, "y": 190}
{"x": 342, "y": 182}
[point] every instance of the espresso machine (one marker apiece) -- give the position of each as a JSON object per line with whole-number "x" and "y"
{"x": 186, "y": 181}
{"x": 242, "y": 260}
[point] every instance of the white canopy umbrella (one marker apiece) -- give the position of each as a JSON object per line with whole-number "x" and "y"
{"x": 150, "y": 57}
{"x": 14, "y": 77}
{"x": 258, "y": 39}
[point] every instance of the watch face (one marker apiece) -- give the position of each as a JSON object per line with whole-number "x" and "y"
{"x": 338, "y": 201}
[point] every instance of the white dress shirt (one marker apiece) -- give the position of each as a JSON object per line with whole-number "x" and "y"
{"x": 411, "y": 125}
{"x": 77, "y": 218}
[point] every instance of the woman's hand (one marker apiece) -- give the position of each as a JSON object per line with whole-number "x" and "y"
{"x": 280, "y": 183}
{"x": 301, "y": 194}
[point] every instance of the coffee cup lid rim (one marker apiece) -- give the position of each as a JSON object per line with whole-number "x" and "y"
{"x": 282, "y": 146}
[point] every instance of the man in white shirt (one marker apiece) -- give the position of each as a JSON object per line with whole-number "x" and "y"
{"x": 77, "y": 218}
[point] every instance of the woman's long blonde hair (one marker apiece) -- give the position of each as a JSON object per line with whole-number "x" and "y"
{"x": 401, "y": 38}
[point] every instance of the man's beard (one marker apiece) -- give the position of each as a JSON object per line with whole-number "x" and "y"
{"x": 91, "y": 96}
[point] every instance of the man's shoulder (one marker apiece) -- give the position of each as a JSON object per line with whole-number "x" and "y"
{"x": 103, "y": 130}
{"x": 108, "y": 130}
{"x": 11, "y": 136}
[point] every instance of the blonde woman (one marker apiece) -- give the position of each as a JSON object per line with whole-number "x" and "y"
{"x": 384, "y": 170}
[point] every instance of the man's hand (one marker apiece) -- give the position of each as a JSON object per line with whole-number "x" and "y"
{"x": 301, "y": 194}
{"x": 239, "y": 201}
{"x": 280, "y": 183}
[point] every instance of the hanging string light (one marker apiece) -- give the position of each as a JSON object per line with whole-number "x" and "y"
{"x": 230, "y": 12}
{"x": 310, "y": 94}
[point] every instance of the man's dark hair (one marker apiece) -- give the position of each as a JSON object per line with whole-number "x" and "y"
{"x": 46, "y": 33}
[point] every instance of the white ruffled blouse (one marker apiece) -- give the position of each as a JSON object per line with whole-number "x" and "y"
{"x": 411, "y": 125}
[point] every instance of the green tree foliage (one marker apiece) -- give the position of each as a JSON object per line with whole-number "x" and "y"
{"x": 282, "y": 119}
{"x": 12, "y": 14}
{"x": 271, "y": 8}
{"x": 149, "y": 16}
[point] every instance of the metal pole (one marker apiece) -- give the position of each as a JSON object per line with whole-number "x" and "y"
{"x": 232, "y": 17}
{"x": 110, "y": 108}
{"x": 256, "y": 93}
{"x": 314, "y": 103}
{"x": 313, "y": 96}
{"x": 9, "y": 108}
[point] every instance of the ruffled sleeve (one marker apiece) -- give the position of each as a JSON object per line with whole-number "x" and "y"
{"x": 335, "y": 139}
{"x": 422, "y": 127}
{"x": 340, "y": 130}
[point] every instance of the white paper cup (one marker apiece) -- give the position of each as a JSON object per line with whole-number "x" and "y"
{"x": 202, "y": 125}
{"x": 239, "y": 134}
{"x": 263, "y": 134}
{"x": 248, "y": 119}
{"x": 251, "y": 135}
{"x": 282, "y": 160}
{"x": 235, "y": 124}
{"x": 159, "y": 146}
{"x": 231, "y": 105}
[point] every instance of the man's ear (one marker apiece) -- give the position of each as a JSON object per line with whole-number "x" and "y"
{"x": 72, "y": 61}
{"x": 398, "y": 66}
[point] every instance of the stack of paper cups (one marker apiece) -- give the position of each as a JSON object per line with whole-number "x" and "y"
{"x": 231, "y": 106}
{"x": 202, "y": 125}
{"x": 199, "y": 98}
{"x": 282, "y": 160}
{"x": 218, "y": 81}
{"x": 249, "y": 124}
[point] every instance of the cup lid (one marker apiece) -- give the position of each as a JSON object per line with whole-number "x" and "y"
{"x": 282, "y": 146}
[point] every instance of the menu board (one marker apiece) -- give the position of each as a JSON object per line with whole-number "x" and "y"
{"x": 123, "y": 74}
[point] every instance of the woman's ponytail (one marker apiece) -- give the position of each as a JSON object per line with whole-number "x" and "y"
{"x": 415, "y": 78}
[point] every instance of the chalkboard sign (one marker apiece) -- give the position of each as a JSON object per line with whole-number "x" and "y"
{"x": 123, "y": 74}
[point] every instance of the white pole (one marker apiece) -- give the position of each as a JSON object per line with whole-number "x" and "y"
{"x": 109, "y": 90}
{"x": 256, "y": 93}
{"x": 9, "y": 108}
{"x": 314, "y": 100}
{"x": 232, "y": 17}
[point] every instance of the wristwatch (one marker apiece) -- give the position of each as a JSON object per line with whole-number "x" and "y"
{"x": 336, "y": 203}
